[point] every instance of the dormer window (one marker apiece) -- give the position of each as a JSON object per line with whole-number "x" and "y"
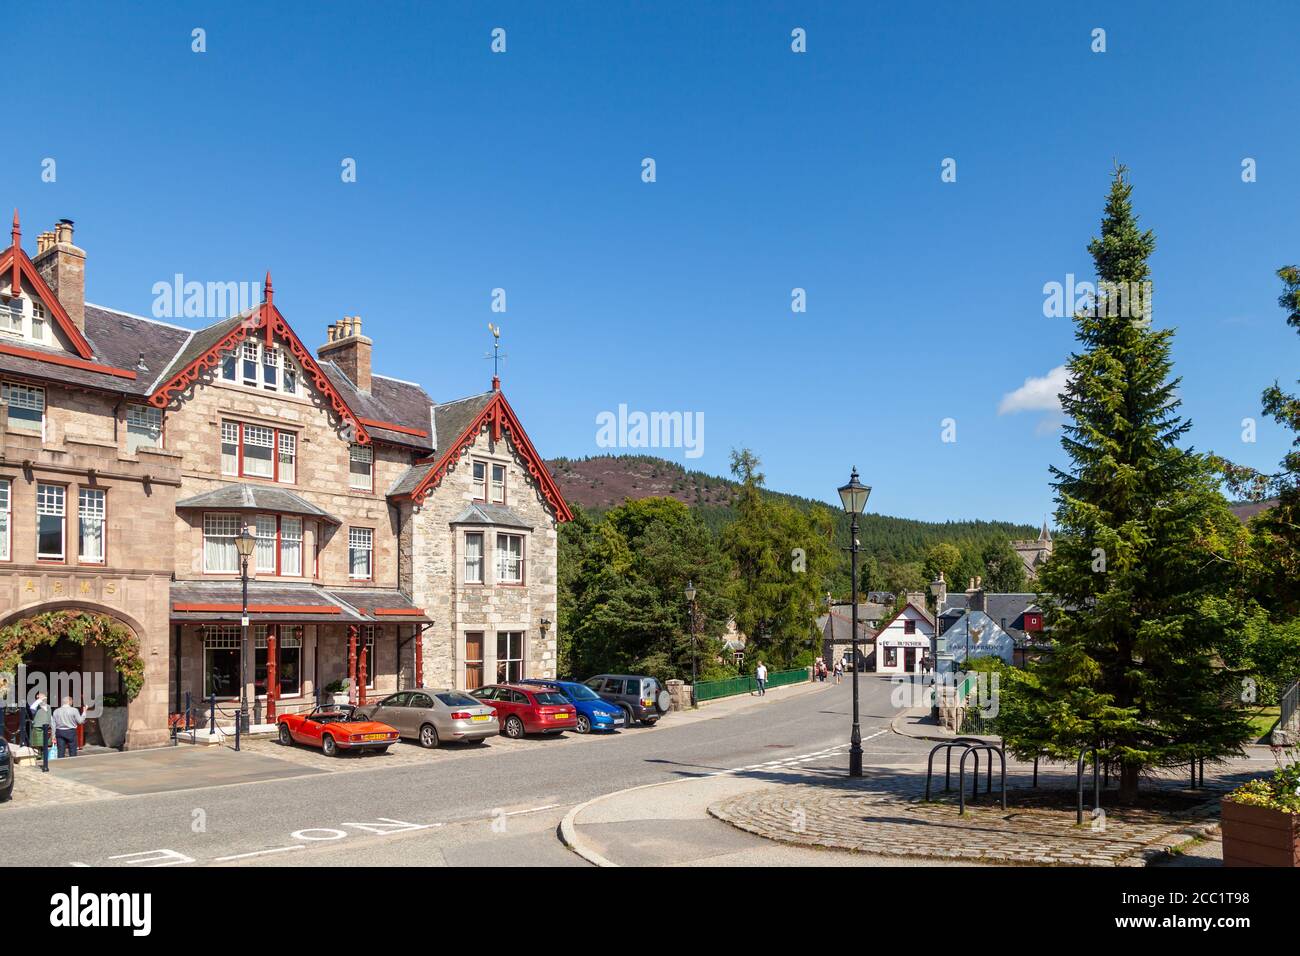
{"x": 38, "y": 321}
{"x": 11, "y": 315}
{"x": 24, "y": 318}
{"x": 260, "y": 366}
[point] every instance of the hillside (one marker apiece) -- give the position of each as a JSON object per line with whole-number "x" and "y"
{"x": 601, "y": 482}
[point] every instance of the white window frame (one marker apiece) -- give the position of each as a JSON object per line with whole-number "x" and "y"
{"x": 493, "y": 486}
{"x": 267, "y": 363}
{"x": 286, "y": 465}
{"x": 11, "y": 318}
{"x": 144, "y": 427}
{"x": 505, "y": 558}
{"x": 290, "y": 534}
{"x": 479, "y": 485}
{"x": 52, "y": 502}
{"x": 92, "y": 508}
{"x": 361, "y": 540}
{"x": 266, "y": 529}
{"x": 221, "y": 527}
{"x": 505, "y": 662}
{"x": 474, "y": 575}
{"x": 283, "y": 459}
{"x": 363, "y": 455}
{"x": 6, "y": 520}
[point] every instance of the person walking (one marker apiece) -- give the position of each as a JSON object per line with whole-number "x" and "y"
{"x": 839, "y": 671}
{"x": 760, "y": 676}
{"x": 66, "y": 720}
{"x": 39, "y": 733}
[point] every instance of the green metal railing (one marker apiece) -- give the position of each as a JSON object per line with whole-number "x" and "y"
{"x": 714, "y": 689}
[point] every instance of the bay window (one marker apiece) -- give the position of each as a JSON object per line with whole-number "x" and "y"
{"x": 474, "y": 557}
{"x": 264, "y": 555}
{"x": 50, "y": 522}
{"x": 91, "y": 514}
{"x": 220, "y": 556}
{"x": 510, "y": 559}
{"x": 361, "y": 545}
{"x": 291, "y": 546}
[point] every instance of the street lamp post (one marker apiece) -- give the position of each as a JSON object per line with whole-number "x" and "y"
{"x": 854, "y": 498}
{"x": 690, "y": 600}
{"x": 245, "y": 541}
{"x": 937, "y": 587}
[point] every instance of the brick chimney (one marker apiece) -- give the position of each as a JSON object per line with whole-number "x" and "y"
{"x": 349, "y": 349}
{"x": 63, "y": 267}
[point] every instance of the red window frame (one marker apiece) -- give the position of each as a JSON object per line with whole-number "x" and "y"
{"x": 104, "y": 560}
{"x": 40, "y": 560}
{"x": 909, "y": 626}
{"x": 275, "y": 452}
{"x": 279, "y": 545}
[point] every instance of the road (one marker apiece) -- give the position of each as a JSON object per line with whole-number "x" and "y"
{"x": 494, "y": 805}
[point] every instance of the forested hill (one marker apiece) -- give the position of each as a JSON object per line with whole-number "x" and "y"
{"x": 601, "y": 482}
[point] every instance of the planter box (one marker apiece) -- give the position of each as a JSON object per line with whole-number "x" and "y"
{"x": 1259, "y": 836}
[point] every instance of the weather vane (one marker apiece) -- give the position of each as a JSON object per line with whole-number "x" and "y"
{"x": 496, "y": 356}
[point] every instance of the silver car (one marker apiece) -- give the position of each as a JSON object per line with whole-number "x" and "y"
{"x": 433, "y": 715}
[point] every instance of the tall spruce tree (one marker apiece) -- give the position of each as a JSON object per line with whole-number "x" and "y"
{"x": 1146, "y": 548}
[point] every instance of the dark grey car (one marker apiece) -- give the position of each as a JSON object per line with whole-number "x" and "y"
{"x": 639, "y": 697}
{"x": 6, "y": 770}
{"x": 434, "y": 715}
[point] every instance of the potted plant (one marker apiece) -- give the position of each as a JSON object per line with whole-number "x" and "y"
{"x": 1261, "y": 821}
{"x": 337, "y": 691}
{"x": 112, "y": 720}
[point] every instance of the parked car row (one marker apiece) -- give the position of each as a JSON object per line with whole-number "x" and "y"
{"x": 433, "y": 716}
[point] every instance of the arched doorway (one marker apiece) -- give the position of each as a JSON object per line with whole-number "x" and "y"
{"x": 84, "y": 652}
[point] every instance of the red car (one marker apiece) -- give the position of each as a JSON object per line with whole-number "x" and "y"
{"x": 521, "y": 709}
{"x": 333, "y": 728}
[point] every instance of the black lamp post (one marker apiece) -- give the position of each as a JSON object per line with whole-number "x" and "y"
{"x": 854, "y": 498}
{"x": 690, "y": 600}
{"x": 937, "y": 587}
{"x": 245, "y": 541}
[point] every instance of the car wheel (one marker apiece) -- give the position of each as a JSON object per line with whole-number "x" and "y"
{"x": 381, "y": 750}
{"x": 286, "y": 738}
{"x": 651, "y": 722}
{"x": 328, "y": 745}
{"x": 628, "y": 719}
{"x": 514, "y": 728}
{"x": 428, "y": 736}
{"x": 584, "y": 724}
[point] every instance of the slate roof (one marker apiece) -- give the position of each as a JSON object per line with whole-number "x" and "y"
{"x": 837, "y": 626}
{"x": 450, "y": 419}
{"x": 311, "y": 603}
{"x": 1011, "y": 608}
{"x": 389, "y": 400}
{"x": 238, "y": 497}
{"x": 482, "y": 513}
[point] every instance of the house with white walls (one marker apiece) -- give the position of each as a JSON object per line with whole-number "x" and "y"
{"x": 903, "y": 642}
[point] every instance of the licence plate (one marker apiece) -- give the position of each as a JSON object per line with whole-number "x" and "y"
{"x": 562, "y": 716}
{"x": 374, "y": 737}
{"x": 480, "y": 718}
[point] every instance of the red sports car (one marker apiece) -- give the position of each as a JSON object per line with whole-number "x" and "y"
{"x": 333, "y": 728}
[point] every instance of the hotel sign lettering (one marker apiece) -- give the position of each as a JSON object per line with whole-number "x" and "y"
{"x": 32, "y": 588}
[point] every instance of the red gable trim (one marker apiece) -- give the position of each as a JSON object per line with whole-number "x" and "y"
{"x": 498, "y": 416}
{"x": 66, "y": 360}
{"x": 15, "y": 260}
{"x": 268, "y": 320}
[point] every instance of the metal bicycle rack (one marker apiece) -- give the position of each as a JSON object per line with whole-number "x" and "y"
{"x": 965, "y": 742}
{"x": 975, "y": 780}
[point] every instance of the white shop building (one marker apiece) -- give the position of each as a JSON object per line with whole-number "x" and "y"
{"x": 903, "y": 643}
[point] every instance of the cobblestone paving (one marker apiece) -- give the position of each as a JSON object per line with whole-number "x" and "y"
{"x": 859, "y": 815}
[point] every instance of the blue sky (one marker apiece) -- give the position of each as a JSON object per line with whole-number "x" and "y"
{"x": 775, "y": 170}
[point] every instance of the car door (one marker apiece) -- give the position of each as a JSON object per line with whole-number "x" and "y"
{"x": 389, "y": 710}
{"x": 488, "y": 697}
{"x": 612, "y": 690}
{"x": 419, "y": 710}
{"x": 308, "y": 730}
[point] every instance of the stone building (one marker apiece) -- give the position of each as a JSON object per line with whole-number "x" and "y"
{"x": 399, "y": 541}
{"x": 1034, "y": 554}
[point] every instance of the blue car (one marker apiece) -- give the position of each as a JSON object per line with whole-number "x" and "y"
{"x": 593, "y": 712}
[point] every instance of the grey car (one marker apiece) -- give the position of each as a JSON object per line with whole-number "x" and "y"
{"x": 433, "y": 715}
{"x": 639, "y": 697}
{"x": 6, "y": 769}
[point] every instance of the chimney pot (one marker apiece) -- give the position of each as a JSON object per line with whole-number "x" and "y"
{"x": 63, "y": 267}
{"x": 349, "y": 349}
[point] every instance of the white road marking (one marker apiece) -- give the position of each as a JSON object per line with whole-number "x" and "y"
{"x": 274, "y": 849}
{"x": 549, "y": 806}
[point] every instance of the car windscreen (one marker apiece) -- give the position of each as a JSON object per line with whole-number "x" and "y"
{"x": 457, "y": 700}
{"x": 550, "y": 697}
{"x": 582, "y": 692}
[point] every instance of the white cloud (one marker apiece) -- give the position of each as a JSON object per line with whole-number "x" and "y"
{"x": 1037, "y": 394}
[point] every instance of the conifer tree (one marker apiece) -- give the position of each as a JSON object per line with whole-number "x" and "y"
{"x": 1147, "y": 552}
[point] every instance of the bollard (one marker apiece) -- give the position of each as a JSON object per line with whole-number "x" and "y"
{"x": 189, "y": 708}
{"x": 238, "y": 724}
{"x": 212, "y": 714}
{"x": 45, "y": 748}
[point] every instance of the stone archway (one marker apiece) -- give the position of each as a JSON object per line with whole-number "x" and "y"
{"x": 31, "y": 629}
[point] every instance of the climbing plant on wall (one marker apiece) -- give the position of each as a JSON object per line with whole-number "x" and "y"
{"x": 81, "y": 627}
